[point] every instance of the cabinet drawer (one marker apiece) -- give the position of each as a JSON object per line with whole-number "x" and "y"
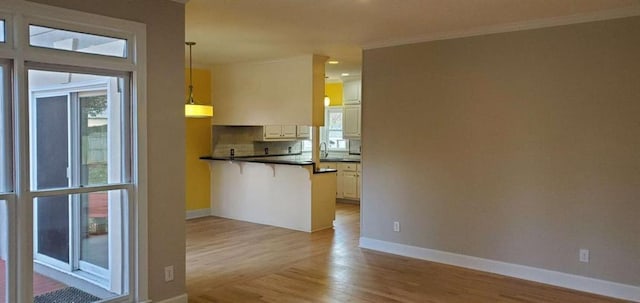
{"x": 331, "y": 165}
{"x": 347, "y": 166}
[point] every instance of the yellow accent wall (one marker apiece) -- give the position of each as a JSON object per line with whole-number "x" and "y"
{"x": 334, "y": 91}
{"x": 198, "y": 143}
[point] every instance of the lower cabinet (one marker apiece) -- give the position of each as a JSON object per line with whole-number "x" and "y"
{"x": 350, "y": 185}
{"x": 348, "y": 179}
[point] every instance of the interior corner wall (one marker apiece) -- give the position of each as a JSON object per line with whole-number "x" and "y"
{"x": 198, "y": 144}
{"x": 521, "y": 147}
{"x": 165, "y": 130}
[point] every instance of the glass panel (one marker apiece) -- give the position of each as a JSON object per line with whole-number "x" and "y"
{"x": 2, "y": 34}
{"x": 94, "y": 245}
{"x": 335, "y": 120}
{"x": 52, "y": 142}
{"x": 94, "y": 134}
{"x": 335, "y": 140}
{"x": 94, "y": 223}
{"x": 51, "y": 225}
{"x": 76, "y": 129}
{"x": 48, "y": 37}
{"x": 4, "y": 251}
{"x": 5, "y": 132}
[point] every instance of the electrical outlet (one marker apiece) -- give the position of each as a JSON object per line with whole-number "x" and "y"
{"x": 396, "y": 226}
{"x": 584, "y": 255}
{"x": 168, "y": 273}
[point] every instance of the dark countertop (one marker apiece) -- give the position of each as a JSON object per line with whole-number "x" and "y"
{"x": 265, "y": 160}
{"x": 340, "y": 160}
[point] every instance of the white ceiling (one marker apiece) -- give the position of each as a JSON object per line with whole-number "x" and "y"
{"x": 247, "y": 30}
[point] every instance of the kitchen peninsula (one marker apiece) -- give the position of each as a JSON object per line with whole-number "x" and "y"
{"x": 285, "y": 193}
{"x": 264, "y": 109}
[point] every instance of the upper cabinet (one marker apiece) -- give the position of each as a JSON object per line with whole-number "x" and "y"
{"x": 352, "y": 91}
{"x": 351, "y": 122}
{"x": 279, "y": 132}
{"x": 304, "y": 132}
{"x": 275, "y": 92}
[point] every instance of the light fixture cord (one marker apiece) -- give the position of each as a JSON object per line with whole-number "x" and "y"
{"x": 190, "y": 74}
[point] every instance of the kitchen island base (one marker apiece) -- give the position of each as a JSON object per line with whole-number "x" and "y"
{"x": 289, "y": 196}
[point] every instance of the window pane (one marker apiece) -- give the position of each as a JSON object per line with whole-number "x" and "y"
{"x": 335, "y": 120}
{"x": 2, "y": 34}
{"x": 80, "y": 241}
{"x": 76, "y": 42}
{"x": 4, "y": 251}
{"x": 94, "y": 134}
{"x": 5, "y": 132}
{"x": 77, "y": 130}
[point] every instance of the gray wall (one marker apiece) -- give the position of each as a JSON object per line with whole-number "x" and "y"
{"x": 165, "y": 128}
{"x": 520, "y": 147}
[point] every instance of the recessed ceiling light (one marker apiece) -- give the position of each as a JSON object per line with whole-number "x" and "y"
{"x": 345, "y": 74}
{"x": 333, "y": 61}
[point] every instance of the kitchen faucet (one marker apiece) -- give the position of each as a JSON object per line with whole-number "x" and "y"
{"x": 323, "y": 154}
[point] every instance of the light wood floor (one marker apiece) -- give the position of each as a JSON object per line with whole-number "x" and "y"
{"x": 234, "y": 261}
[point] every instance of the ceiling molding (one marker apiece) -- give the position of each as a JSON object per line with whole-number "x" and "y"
{"x": 511, "y": 27}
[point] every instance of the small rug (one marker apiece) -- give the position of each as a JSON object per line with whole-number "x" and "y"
{"x": 66, "y": 295}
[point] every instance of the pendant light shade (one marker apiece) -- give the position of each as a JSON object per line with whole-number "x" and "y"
{"x": 198, "y": 111}
{"x": 327, "y": 100}
{"x": 191, "y": 109}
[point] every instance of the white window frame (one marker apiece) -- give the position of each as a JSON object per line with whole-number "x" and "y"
{"x": 324, "y": 131}
{"x": 18, "y": 14}
{"x": 8, "y": 31}
{"x": 8, "y": 213}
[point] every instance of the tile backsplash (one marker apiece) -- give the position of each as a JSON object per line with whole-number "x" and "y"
{"x": 243, "y": 139}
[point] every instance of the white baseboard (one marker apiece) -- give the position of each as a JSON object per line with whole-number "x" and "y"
{"x": 591, "y": 285}
{"x": 198, "y": 213}
{"x": 177, "y": 299}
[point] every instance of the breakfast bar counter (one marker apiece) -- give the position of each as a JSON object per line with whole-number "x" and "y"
{"x": 284, "y": 193}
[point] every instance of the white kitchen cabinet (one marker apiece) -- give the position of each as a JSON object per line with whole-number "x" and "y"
{"x": 348, "y": 181}
{"x": 304, "y": 132}
{"x": 279, "y": 132}
{"x": 350, "y": 185}
{"x": 351, "y": 121}
{"x": 351, "y": 91}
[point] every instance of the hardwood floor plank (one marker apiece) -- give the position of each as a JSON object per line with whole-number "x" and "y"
{"x": 234, "y": 261}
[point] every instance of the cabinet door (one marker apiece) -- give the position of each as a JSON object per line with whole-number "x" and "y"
{"x": 351, "y": 122}
{"x": 272, "y": 131}
{"x": 304, "y": 132}
{"x": 289, "y": 131}
{"x": 351, "y": 91}
{"x": 350, "y": 185}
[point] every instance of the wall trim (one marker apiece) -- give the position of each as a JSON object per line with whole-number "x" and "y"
{"x": 183, "y": 298}
{"x": 198, "y": 213}
{"x": 511, "y": 27}
{"x": 580, "y": 283}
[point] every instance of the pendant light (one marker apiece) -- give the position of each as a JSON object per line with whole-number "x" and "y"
{"x": 191, "y": 109}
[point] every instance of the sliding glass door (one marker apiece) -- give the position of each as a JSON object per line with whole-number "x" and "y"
{"x": 80, "y": 146}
